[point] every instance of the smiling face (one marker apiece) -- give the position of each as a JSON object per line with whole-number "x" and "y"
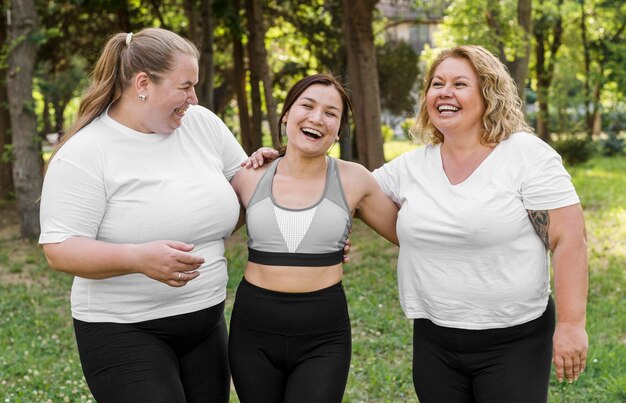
{"x": 453, "y": 100}
{"x": 169, "y": 99}
{"x": 314, "y": 119}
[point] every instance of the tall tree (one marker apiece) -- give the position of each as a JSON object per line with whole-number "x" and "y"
{"x": 6, "y": 177}
{"x": 519, "y": 65}
{"x": 248, "y": 142}
{"x": 603, "y": 35}
{"x": 548, "y": 33}
{"x": 259, "y": 68}
{"x": 363, "y": 80}
{"x": 200, "y": 31}
{"x": 26, "y": 145}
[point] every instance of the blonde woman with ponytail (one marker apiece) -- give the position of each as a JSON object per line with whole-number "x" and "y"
{"x": 136, "y": 205}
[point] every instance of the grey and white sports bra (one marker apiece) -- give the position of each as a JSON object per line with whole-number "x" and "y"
{"x": 312, "y": 236}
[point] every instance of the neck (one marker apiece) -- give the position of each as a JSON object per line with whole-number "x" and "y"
{"x": 126, "y": 112}
{"x": 299, "y": 166}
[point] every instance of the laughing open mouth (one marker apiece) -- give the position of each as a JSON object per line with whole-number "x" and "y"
{"x": 447, "y": 108}
{"x": 312, "y": 133}
{"x": 181, "y": 111}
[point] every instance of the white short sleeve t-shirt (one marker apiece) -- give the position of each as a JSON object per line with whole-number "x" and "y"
{"x": 469, "y": 255}
{"x": 113, "y": 184}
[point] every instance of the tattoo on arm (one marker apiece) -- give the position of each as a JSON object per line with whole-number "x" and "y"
{"x": 541, "y": 221}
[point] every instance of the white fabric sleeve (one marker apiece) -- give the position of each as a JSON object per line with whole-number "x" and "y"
{"x": 548, "y": 185}
{"x": 388, "y": 178}
{"x": 72, "y": 203}
{"x": 232, "y": 153}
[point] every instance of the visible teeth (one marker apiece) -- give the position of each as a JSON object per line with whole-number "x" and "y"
{"x": 312, "y": 132}
{"x": 450, "y": 108}
{"x": 180, "y": 111}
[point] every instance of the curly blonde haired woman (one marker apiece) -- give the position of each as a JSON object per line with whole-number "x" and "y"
{"x": 482, "y": 204}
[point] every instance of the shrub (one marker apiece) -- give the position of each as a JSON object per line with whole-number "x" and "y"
{"x": 574, "y": 150}
{"x": 612, "y": 145}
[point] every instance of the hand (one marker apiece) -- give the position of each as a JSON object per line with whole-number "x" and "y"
{"x": 169, "y": 262}
{"x": 259, "y": 157}
{"x": 346, "y": 250}
{"x": 570, "y": 343}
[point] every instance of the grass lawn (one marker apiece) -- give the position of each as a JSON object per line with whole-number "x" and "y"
{"x": 39, "y": 361}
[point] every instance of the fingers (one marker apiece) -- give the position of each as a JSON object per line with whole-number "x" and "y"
{"x": 346, "y": 251}
{"x": 185, "y": 247}
{"x": 259, "y": 157}
{"x": 559, "y": 367}
{"x": 569, "y": 368}
{"x": 180, "y": 279}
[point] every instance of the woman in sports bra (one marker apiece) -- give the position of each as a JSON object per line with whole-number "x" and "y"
{"x": 290, "y": 336}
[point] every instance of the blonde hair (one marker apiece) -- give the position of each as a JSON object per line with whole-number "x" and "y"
{"x": 151, "y": 50}
{"x": 503, "y": 107}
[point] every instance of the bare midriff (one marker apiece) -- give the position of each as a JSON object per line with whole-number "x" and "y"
{"x": 293, "y": 278}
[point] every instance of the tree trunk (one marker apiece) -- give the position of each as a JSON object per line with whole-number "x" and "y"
{"x": 206, "y": 56}
{"x": 239, "y": 71}
{"x": 545, "y": 63}
{"x": 587, "y": 64}
{"x": 519, "y": 66}
{"x": 26, "y": 144}
{"x": 256, "y": 129}
{"x": 259, "y": 68}
{"x": 6, "y": 177}
{"x": 363, "y": 80}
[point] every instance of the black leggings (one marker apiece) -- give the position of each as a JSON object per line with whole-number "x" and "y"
{"x": 494, "y": 365}
{"x": 290, "y": 347}
{"x": 176, "y": 359}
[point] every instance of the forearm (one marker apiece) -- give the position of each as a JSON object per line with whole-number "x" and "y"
{"x": 569, "y": 261}
{"x": 92, "y": 259}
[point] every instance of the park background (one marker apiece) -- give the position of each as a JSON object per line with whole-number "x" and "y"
{"x": 568, "y": 58}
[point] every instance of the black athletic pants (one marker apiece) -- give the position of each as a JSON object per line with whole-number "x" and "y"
{"x": 176, "y": 359}
{"x": 290, "y": 347}
{"x": 495, "y": 365}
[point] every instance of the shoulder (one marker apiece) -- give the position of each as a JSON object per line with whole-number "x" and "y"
{"x": 86, "y": 142}
{"x": 350, "y": 167}
{"x": 246, "y": 178}
{"x": 356, "y": 180}
{"x": 198, "y": 116}
{"x": 527, "y": 146}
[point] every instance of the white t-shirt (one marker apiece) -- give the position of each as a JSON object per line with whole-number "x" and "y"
{"x": 469, "y": 256}
{"x": 117, "y": 185}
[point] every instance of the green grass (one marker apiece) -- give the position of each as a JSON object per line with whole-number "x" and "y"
{"x": 39, "y": 362}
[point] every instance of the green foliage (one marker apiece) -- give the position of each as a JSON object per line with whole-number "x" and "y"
{"x": 397, "y": 75}
{"x": 387, "y": 133}
{"x": 574, "y": 150}
{"x": 612, "y": 145}
{"x": 6, "y": 155}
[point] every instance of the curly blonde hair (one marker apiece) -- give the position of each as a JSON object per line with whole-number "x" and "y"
{"x": 503, "y": 107}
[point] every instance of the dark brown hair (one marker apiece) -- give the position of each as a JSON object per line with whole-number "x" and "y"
{"x": 298, "y": 88}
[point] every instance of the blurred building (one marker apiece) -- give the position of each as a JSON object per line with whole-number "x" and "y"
{"x": 410, "y": 23}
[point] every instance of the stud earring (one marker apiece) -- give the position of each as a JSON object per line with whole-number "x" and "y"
{"x": 142, "y": 97}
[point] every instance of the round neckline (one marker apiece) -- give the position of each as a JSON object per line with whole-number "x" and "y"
{"x": 147, "y": 137}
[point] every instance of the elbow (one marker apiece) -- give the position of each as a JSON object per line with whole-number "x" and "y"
{"x": 54, "y": 262}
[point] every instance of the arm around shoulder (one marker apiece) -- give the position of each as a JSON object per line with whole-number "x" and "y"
{"x": 375, "y": 208}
